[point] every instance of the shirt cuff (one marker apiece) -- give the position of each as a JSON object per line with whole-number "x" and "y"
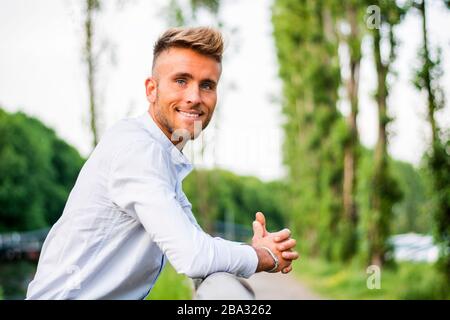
{"x": 244, "y": 258}
{"x": 250, "y": 260}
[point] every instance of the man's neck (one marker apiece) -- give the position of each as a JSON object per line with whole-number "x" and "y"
{"x": 178, "y": 144}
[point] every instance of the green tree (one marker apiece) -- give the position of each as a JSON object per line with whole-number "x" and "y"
{"x": 438, "y": 159}
{"x": 224, "y": 194}
{"x": 384, "y": 190}
{"x": 91, "y": 60}
{"x": 179, "y": 16}
{"x": 37, "y": 171}
{"x": 307, "y": 50}
{"x": 411, "y": 214}
{"x": 352, "y": 16}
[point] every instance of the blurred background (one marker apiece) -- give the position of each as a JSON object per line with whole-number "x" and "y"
{"x": 333, "y": 119}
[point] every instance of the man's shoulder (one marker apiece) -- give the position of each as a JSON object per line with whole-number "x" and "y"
{"x": 127, "y": 128}
{"x": 125, "y": 132}
{"x": 131, "y": 146}
{"x": 129, "y": 140}
{"x": 124, "y": 136}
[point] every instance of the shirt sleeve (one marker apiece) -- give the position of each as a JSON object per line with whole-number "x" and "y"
{"x": 142, "y": 185}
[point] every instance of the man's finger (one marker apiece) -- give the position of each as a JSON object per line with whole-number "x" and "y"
{"x": 290, "y": 255}
{"x": 287, "y": 269}
{"x": 257, "y": 229}
{"x": 261, "y": 219}
{"x": 282, "y": 235}
{"x": 286, "y": 245}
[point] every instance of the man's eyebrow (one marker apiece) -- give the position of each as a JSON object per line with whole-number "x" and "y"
{"x": 190, "y": 76}
{"x": 183, "y": 75}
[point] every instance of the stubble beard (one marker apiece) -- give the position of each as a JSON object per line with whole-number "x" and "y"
{"x": 160, "y": 115}
{"x": 165, "y": 122}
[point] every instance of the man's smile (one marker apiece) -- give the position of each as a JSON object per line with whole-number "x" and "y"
{"x": 190, "y": 114}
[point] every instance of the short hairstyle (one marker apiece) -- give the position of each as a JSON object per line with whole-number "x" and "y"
{"x": 204, "y": 40}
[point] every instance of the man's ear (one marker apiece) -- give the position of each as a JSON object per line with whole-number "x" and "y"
{"x": 150, "y": 89}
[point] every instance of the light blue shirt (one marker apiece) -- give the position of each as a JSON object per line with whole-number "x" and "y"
{"x": 125, "y": 216}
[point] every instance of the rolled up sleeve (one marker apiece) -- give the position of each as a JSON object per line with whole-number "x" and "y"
{"x": 142, "y": 184}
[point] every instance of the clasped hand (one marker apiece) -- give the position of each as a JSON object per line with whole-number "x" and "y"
{"x": 280, "y": 243}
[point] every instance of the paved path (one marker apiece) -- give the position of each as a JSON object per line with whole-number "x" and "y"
{"x": 277, "y": 286}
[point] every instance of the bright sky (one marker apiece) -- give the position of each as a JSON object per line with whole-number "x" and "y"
{"x": 41, "y": 73}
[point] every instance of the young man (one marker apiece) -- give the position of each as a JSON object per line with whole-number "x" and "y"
{"x": 127, "y": 212}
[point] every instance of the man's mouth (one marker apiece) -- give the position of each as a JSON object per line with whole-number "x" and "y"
{"x": 191, "y": 114}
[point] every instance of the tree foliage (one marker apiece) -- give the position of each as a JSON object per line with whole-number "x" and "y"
{"x": 321, "y": 147}
{"x": 217, "y": 195}
{"x": 351, "y": 17}
{"x": 427, "y": 79}
{"x": 37, "y": 172}
{"x": 307, "y": 49}
{"x": 179, "y": 15}
{"x": 384, "y": 191}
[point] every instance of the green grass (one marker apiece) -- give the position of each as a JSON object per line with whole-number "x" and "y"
{"x": 14, "y": 278}
{"x": 403, "y": 281}
{"x": 171, "y": 286}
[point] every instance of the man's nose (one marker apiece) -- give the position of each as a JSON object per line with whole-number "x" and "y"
{"x": 193, "y": 95}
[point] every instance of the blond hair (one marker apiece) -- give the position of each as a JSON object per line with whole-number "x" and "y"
{"x": 204, "y": 40}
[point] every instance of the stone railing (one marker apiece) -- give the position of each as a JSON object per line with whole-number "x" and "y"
{"x": 222, "y": 286}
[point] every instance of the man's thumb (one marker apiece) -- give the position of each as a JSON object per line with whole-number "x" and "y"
{"x": 261, "y": 219}
{"x": 258, "y": 229}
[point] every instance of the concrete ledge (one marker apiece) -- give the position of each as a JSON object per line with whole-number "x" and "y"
{"x": 222, "y": 286}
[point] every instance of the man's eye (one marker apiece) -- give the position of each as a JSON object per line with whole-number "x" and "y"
{"x": 206, "y": 86}
{"x": 180, "y": 81}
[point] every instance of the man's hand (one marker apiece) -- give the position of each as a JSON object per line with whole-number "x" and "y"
{"x": 283, "y": 238}
{"x": 279, "y": 243}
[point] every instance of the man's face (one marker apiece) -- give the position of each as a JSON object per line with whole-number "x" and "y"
{"x": 182, "y": 90}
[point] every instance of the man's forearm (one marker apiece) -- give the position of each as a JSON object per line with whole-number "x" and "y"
{"x": 265, "y": 260}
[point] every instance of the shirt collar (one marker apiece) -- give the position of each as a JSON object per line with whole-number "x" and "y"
{"x": 183, "y": 165}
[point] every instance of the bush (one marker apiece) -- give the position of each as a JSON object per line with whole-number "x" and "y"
{"x": 171, "y": 286}
{"x": 37, "y": 171}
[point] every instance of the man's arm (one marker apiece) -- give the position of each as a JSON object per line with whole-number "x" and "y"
{"x": 140, "y": 184}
